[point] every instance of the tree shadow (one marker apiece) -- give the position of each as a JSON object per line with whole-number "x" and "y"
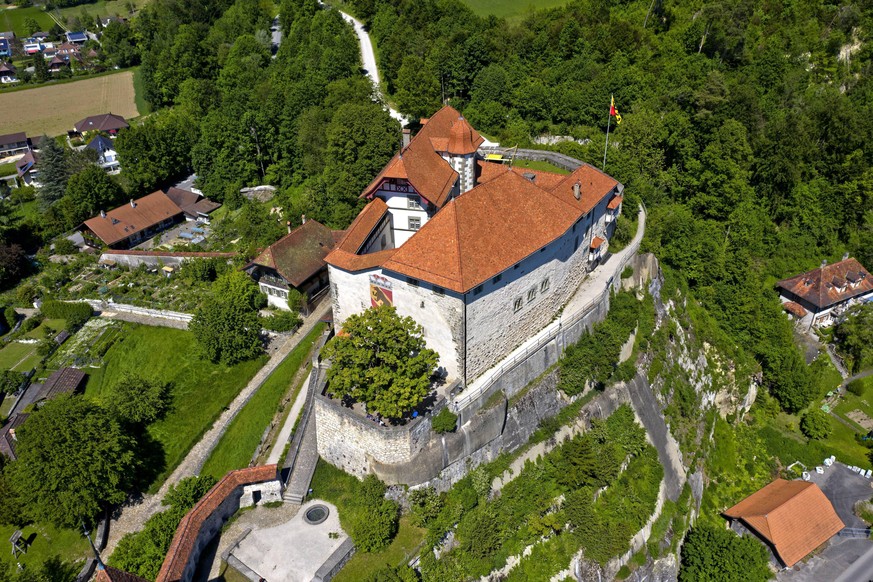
{"x": 152, "y": 459}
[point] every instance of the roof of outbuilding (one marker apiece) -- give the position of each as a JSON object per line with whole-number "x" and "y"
{"x": 185, "y": 538}
{"x": 300, "y": 254}
{"x": 7, "y": 438}
{"x": 11, "y": 138}
{"x": 63, "y": 381}
{"x": 794, "y": 516}
{"x": 126, "y": 220}
{"x": 110, "y": 574}
{"x": 830, "y": 284}
{"x": 794, "y": 309}
{"x": 482, "y": 233}
{"x": 104, "y": 122}
{"x": 345, "y": 256}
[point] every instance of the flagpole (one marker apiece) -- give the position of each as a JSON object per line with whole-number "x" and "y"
{"x": 608, "y": 121}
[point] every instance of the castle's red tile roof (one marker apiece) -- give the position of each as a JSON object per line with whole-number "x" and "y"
{"x": 439, "y": 127}
{"x": 545, "y": 180}
{"x": 597, "y": 242}
{"x": 462, "y": 138}
{"x": 126, "y": 220}
{"x": 110, "y": 574}
{"x": 300, "y": 254}
{"x": 830, "y": 284}
{"x": 344, "y": 254}
{"x": 189, "y": 528}
{"x": 614, "y": 203}
{"x": 483, "y": 232}
{"x": 594, "y": 185}
{"x": 794, "y": 516}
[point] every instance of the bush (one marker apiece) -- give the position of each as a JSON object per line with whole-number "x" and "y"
{"x": 374, "y": 519}
{"x": 282, "y": 321}
{"x": 815, "y": 424}
{"x": 425, "y": 506}
{"x": 32, "y": 323}
{"x": 10, "y": 381}
{"x": 76, "y": 314}
{"x": 64, "y": 246}
{"x": 10, "y": 317}
{"x": 627, "y": 272}
{"x": 856, "y": 387}
{"x": 445, "y": 421}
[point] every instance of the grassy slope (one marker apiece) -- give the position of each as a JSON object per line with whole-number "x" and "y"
{"x": 49, "y": 541}
{"x": 201, "y": 389}
{"x": 102, "y": 8}
{"x": 142, "y": 106}
{"x": 339, "y": 488}
{"x": 13, "y": 19}
{"x": 510, "y": 8}
{"x": 239, "y": 443}
{"x": 541, "y": 166}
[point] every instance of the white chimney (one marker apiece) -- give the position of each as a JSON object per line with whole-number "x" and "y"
{"x": 303, "y": 219}
{"x": 288, "y": 224}
{"x": 845, "y": 255}
{"x": 132, "y": 203}
{"x": 577, "y": 191}
{"x": 407, "y": 136}
{"x": 102, "y": 214}
{"x": 824, "y": 263}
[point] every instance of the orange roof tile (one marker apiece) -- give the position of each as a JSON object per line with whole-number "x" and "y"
{"x": 126, "y": 220}
{"x": 594, "y": 185}
{"x": 300, "y": 254}
{"x": 597, "y": 242}
{"x": 440, "y": 126}
{"x": 461, "y": 138}
{"x": 344, "y": 255}
{"x": 186, "y": 534}
{"x": 614, "y": 203}
{"x": 831, "y": 284}
{"x": 490, "y": 170}
{"x": 110, "y": 574}
{"x": 794, "y": 309}
{"x": 483, "y": 232}
{"x": 794, "y": 516}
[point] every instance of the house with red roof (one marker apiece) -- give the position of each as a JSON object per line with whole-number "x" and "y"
{"x": 133, "y": 223}
{"x": 480, "y": 254}
{"x": 821, "y": 296}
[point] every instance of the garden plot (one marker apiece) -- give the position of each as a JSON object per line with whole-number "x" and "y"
{"x": 87, "y": 347}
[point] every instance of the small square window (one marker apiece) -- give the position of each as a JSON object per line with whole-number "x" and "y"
{"x": 477, "y": 290}
{"x": 531, "y": 294}
{"x": 516, "y": 307}
{"x": 414, "y": 222}
{"x": 438, "y": 290}
{"x": 544, "y": 286}
{"x": 412, "y": 202}
{"x": 413, "y": 282}
{"x": 497, "y": 279}
{"x": 516, "y": 265}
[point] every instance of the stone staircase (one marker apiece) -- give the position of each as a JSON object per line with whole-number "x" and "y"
{"x": 304, "y": 467}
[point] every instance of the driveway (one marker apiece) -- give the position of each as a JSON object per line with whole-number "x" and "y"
{"x": 843, "y": 488}
{"x": 837, "y": 561}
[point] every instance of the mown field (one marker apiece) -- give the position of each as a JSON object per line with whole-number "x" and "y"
{"x": 102, "y": 8}
{"x": 54, "y": 109}
{"x": 13, "y": 19}
{"x": 510, "y": 8}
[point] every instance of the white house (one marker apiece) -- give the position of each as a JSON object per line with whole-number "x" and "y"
{"x": 481, "y": 255}
{"x": 819, "y": 297}
{"x": 107, "y": 157}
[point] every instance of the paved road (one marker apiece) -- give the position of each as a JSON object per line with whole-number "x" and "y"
{"x": 133, "y": 516}
{"x": 862, "y": 569}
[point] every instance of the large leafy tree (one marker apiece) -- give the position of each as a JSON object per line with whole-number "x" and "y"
{"x": 854, "y": 335}
{"x": 380, "y": 359}
{"x": 226, "y": 326}
{"x": 717, "y": 554}
{"x": 87, "y": 193}
{"x": 73, "y": 458}
{"x": 52, "y": 171}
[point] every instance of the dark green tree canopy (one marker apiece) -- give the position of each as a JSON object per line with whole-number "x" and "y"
{"x": 73, "y": 459}
{"x": 226, "y": 326}
{"x": 380, "y": 358}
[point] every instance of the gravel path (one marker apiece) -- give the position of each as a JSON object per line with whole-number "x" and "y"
{"x": 134, "y": 514}
{"x": 285, "y": 433}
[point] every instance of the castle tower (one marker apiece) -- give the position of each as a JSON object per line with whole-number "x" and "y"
{"x": 462, "y": 153}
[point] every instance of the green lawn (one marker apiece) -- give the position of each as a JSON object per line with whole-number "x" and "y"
{"x": 102, "y": 8}
{"x": 238, "y": 445}
{"x": 48, "y": 541}
{"x": 539, "y": 165}
{"x": 18, "y": 356}
{"x": 56, "y": 325}
{"x": 510, "y": 8}
{"x": 13, "y": 19}
{"x": 200, "y": 389}
{"x": 7, "y": 169}
{"x": 340, "y": 488}
{"x": 142, "y": 106}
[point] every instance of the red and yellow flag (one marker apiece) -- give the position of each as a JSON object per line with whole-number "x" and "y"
{"x": 614, "y": 112}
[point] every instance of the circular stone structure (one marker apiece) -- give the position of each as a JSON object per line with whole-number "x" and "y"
{"x": 316, "y": 514}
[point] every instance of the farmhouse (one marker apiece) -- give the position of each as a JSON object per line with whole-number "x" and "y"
{"x": 107, "y": 122}
{"x": 792, "y": 517}
{"x": 133, "y": 223}
{"x": 481, "y": 255}
{"x": 8, "y": 73}
{"x": 76, "y": 37}
{"x": 295, "y": 261}
{"x": 13, "y": 143}
{"x": 822, "y": 295}
{"x": 107, "y": 158}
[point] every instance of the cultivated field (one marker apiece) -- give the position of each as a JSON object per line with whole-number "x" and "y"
{"x": 54, "y": 109}
{"x": 512, "y": 9}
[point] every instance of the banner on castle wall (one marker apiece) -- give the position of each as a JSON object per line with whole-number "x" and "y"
{"x": 380, "y": 291}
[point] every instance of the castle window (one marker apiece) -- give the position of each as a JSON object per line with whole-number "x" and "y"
{"x": 544, "y": 286}
{"x": 516, "y": 307}
{"x": 414, "y": 222}
{"x": 412, "y": 202}
{"x": 411, "y": 281}
{"x": 477, "y": 290}
{"x": 497, "y": 279}
{"x": 531, "y": 294}
{"x": 438, "y": 290}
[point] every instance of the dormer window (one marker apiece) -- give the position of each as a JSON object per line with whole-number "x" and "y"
{"x": 413, "y": 202}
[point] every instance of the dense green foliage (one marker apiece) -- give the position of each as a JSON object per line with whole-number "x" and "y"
{"x": 73, "y": 457}
{"x": 445, "y": 421}
{"x": 226, "y": 326}
{"x": 281, "y": 321}
{"x": 75, "y": 314}
{"x": 854, "y": 336}
{"x": 381, "y": 359}
{"x": 10, "y": 381}
{"x": 142, "y": 553}
{"x": 138, "y": 401}
{"x": 713, "y": 554}
{"x": 815, "y": 424}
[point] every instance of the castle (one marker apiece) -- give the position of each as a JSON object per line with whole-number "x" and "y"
{"x": 482, "y": 255}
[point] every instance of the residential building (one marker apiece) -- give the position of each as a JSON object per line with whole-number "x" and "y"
{"x": 13, "y": 143}
{"x": 63, "y": 381}
{"x": 8, "y": 73}
{"x": 194, "y": 205}
{"x": 107, "y": 158}
{"x": 481, "y": 255}
{"x": 133, "y": 223}
{"x": 819, "y": 297}
{"x": 35, "y": 44}
{"x": 27, "y": 170}
{"x": 110, "y": 574}
{"x": 792, "y": 517}
{"x": 5, "y": 48}
{"x": 108, "y": 122}
{"x": 77, "y": 37}
{"x": 296, "y": 261}
{"x": 58, "y": 64}
{"x": 7, "y": 435}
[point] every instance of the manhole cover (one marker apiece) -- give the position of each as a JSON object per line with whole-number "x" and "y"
{"x": 316, "y": 514}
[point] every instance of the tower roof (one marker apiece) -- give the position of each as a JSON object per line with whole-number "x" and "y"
{"x": 461, "y": 140}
